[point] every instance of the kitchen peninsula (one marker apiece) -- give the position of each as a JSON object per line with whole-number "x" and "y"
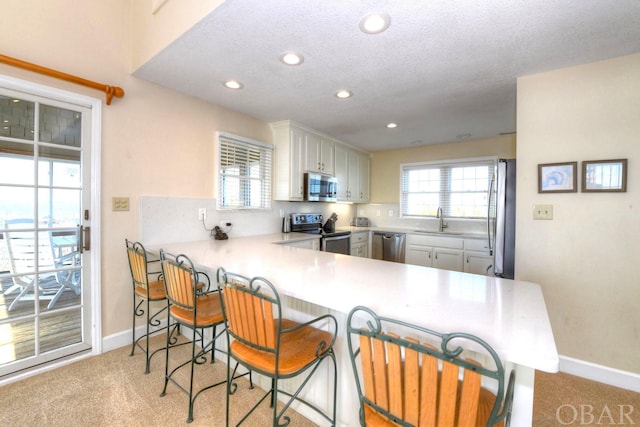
{"x": 510, "y": 315}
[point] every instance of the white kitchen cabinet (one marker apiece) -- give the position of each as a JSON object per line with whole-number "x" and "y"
{"x": 319, "y": 154}
{"x": 364, "y": 166}
{"x": 360, "y": 244}
{"x": 448, "y": 259}
{"x": 352, "y": 174}
{"x": 434, "y": 251}
{"x": 288, "y": 170}
{"x": 477, "y": 257}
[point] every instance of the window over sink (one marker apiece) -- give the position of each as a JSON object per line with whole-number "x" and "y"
{"x": 459, "y": 187}
{"x": 244, "y": 173}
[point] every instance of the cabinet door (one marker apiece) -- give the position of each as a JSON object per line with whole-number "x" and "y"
{"x": 418, "y": 255}
{"x": 448, "y": 259}
{"x": 342, "y": 171}
{"x": 363, "y": 177}
{"x": 296, "y": 181}
{"x": 312, "y": 152}
{"x": 353, "y": 175}
{"x": 477, "y": 263}
{"x": 327, "y": 156}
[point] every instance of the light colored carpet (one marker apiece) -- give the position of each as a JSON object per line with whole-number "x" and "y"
{"x": 112, "y": 390}
{"x": 562, "y": 399}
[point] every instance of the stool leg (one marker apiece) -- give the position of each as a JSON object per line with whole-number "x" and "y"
{"x": 133, "y": 328}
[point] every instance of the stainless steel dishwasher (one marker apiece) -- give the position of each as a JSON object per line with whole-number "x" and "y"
{"x": 388, "y": 246}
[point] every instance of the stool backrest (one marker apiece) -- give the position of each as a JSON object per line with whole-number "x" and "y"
{"x": 252, "y": 309}
{"x": 413, "y": 376}
{"x": 137, "y": 263}
{"x": 180, "y": 278}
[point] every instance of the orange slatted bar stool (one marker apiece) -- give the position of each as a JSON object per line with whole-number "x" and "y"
{"x": 197, "y": 308}
{"x": 409, "y": 376}
{"x": 262, "y": 341}
{"x": 148, "y": 288}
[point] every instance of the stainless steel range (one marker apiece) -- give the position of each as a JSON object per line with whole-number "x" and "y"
{"x": 338, "y": 242}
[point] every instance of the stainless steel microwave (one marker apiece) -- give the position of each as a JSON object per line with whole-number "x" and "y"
{"x": 319, "y": 187}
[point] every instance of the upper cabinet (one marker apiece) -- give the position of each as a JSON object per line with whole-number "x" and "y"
{"x": 299, "y": 150}
{"x": 352, "y": 173}
{"x": 319, "y": 154}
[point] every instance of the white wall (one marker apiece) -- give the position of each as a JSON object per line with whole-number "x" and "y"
{"x": 586, "y": 258}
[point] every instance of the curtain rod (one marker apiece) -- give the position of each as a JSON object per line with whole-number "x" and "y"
{"x": 110, "y": 91}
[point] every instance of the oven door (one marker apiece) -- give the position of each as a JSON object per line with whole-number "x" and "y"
{"x": 337, "y": 244}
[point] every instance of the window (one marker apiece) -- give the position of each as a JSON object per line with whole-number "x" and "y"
{"x": 460, "y": 188}
{"x": 244, "y": 173}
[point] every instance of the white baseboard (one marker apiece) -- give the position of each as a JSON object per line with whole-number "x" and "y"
{"x": 123, "y": 338}
{"x": 600, "y": 373}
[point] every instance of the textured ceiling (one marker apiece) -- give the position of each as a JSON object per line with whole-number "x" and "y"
{"x": 443, "y": 68}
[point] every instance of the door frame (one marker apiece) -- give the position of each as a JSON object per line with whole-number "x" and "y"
{"x": 95, "y": 105}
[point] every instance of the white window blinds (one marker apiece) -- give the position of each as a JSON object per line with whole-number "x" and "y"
{"x": 460, "y": 188}
{"x": 244, "y": 173}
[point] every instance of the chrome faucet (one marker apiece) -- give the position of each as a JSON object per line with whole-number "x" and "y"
{"x": 441, "y": 225}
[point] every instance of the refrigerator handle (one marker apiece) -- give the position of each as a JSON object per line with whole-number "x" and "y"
{"x": 493, "y": 179}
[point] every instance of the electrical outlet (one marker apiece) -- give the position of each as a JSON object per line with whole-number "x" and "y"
{"x": 390, "y": 212}
{"x": 120, "y": 204}
{"x": 202, "y": 214}
{"x": 543, "y": 212}
{"x": 377, "y": 212}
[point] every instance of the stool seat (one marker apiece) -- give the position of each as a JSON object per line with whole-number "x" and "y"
{"x": 209, "y": 312}
{"x": 156, "y": 291}
{"x": 297, "y": 350}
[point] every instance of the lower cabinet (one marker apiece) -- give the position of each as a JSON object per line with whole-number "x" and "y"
{"x": 477, "y": 257}
{"x": 449, "y": 253}
{"x": 446, "y": 253}
{"x": 360, "y": 244}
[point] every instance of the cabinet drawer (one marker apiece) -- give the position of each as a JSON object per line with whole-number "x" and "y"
{"x": 437, "y": 241}
{"x": 480, "y": 245}
{"x": 359, "y": 237}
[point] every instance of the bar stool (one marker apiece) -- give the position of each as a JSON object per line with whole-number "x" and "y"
{"x": 148, "y": 287}
{"x": 266, "y": 343}
{"x": 191, "y": 305}
{"x": 408, "y": 375}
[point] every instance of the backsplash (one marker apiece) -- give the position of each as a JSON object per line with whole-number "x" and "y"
{"x": 175, "y": 219}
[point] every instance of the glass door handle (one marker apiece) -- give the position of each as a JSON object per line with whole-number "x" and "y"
{"x": 84, "y": 238}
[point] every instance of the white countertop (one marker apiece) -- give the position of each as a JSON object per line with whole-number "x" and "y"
{"x": 510, "y": 315}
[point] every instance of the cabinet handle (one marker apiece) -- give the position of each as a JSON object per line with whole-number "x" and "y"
{"x": 467, "y": 259}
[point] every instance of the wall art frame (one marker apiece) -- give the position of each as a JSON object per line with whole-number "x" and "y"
{"x": 558, "y": 177}
{"x": 604, "y": 176}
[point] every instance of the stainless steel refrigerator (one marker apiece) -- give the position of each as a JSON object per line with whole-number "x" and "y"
{"x": 501, "y": 224}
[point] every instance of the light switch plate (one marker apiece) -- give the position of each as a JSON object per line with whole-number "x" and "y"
{"x": 120, "y": 204}
{"x": 543, "y": 212}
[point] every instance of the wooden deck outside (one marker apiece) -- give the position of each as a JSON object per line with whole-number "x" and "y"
{"x": 58, "y": 326}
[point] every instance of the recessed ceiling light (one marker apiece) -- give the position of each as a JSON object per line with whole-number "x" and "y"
{"x": 375, "y": 23}
{"x": 344, "y": 94}
{"x": 392, "y": 125}
{"x": 291, "y": 58}
{"x": 233, "y": 84}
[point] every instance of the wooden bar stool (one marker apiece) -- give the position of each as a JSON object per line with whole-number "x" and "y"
{"x": 192, "y": 305}
{"x": 407, "y": 375}
{"x": 277, "y": 348}
{"x": 148, "y": 287}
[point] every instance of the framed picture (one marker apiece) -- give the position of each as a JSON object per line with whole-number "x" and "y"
{"x": 604, "y": 176}
{"x": 558, "y": 177}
